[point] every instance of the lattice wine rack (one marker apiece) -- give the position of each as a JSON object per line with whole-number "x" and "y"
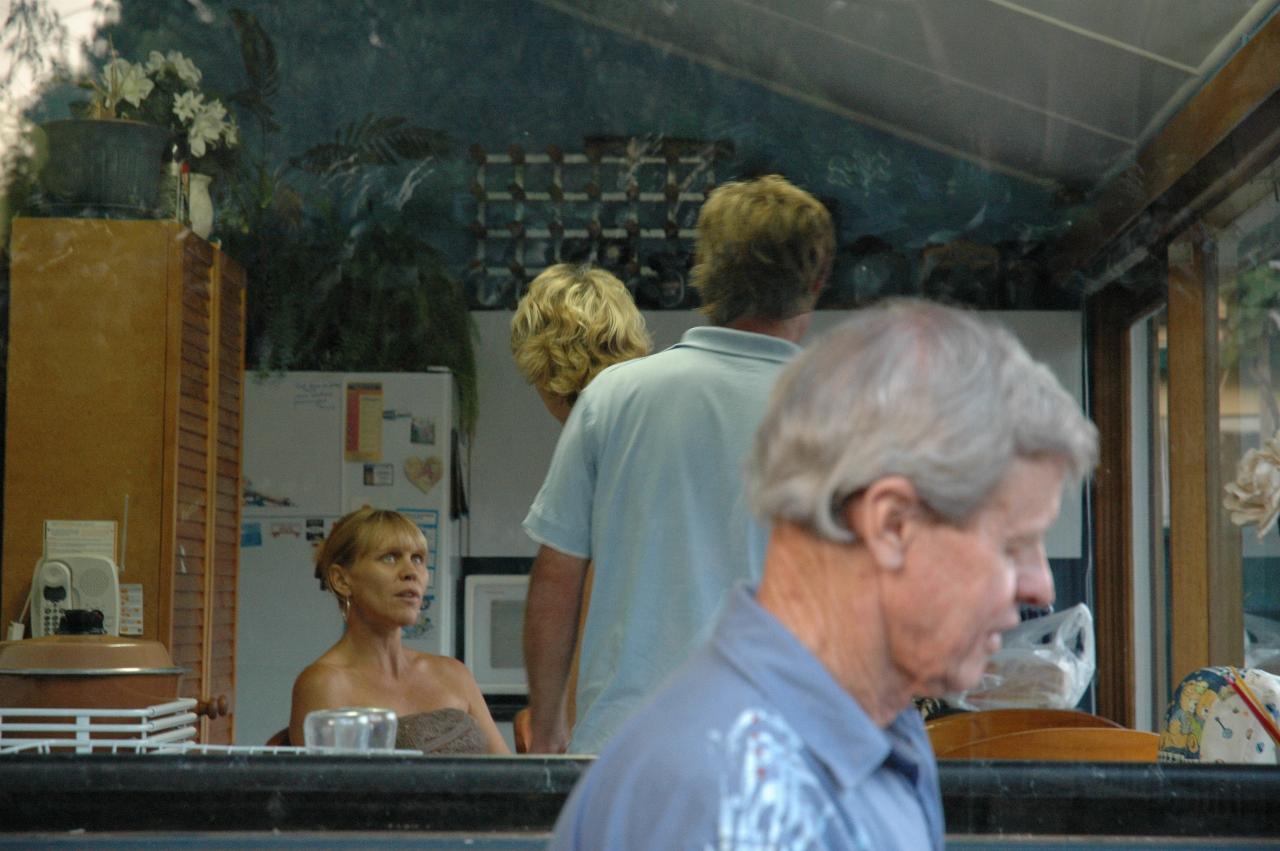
{"x": 627, "y": 204}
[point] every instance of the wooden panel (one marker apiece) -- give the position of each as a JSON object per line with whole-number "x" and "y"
{"x": 1069, "y": 744}
{"x": 189, "y": 393}
{"x": 225, "y": 466}
{"x": 87, "y": 320}
{"x": 1192, "y": 423}
{"x": 1108, "y": 348}
{"x": 952, "y": 731}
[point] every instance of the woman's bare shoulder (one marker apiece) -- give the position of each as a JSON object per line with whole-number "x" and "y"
{"x": 442, "y": 668}
{"x": 326, "y": 676}
{"x": 433, "y": 662}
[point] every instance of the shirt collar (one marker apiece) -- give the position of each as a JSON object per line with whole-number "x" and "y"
{"x": 731, "y": 341}
{"x": 833, "y": 726}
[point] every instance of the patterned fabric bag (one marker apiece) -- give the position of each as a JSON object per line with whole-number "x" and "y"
{"x": 1210, "y": 720}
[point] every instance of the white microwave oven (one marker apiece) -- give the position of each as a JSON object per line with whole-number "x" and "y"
{"x": 493, "y": 629}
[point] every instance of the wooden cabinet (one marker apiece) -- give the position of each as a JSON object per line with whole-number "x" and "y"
{"x": 125, "y": 371}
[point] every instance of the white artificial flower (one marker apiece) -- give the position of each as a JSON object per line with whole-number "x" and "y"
{"x": 1254, "y": 497}
{"x": 216, "y": 109}
{"x": 185, "y": 69}
{"x": 114, "y": 71}
{"x": 155, "y": 62}
{"x": 198, "y": 137}
{"x": 206, "y": 128}
{"x": 231, "y": 134}
{"x": 188, "y": 105}
{"x": 125, "y": 81}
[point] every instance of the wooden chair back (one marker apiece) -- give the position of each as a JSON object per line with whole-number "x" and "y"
{"x": 522, "y": 730}
{"x": 952, "y": 731}
{"x": 1070, "y": 744}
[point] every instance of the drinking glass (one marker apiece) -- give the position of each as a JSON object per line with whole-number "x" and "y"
{"x": 351, "y": 728}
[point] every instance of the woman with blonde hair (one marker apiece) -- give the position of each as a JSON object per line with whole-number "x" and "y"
{"x": 375, "y": 562}
{"x": 573, "y": 322}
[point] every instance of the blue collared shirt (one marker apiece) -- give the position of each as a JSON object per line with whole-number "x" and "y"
{"x": 752, "y": 745}
{"x": 646, "y": 481}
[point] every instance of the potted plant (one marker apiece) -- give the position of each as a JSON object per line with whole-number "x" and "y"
{"x": 107, "y": 161}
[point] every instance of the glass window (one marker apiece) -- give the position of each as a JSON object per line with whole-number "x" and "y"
{"x": 1246, "y": 234}
{"x": 374, "y": 184}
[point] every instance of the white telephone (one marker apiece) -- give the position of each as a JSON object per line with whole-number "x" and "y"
{"x": 74, "y": 582}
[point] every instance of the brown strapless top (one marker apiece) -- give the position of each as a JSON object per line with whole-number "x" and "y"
{"x": 440, "y": 731}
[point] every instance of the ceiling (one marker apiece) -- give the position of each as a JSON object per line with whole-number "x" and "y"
{"x": 1062, "y": 91}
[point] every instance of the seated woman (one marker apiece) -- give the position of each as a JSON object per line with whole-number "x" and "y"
{"x": 573, "y": 322}
{"x": 375, "y": 562}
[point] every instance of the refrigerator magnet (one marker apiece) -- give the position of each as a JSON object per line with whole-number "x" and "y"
{"x": 422, "y": 430}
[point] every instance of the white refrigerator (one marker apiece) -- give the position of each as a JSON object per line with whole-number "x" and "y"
{"x": 317, "y": 445}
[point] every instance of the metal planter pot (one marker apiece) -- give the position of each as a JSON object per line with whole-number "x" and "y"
{"x": 103, "y": 168}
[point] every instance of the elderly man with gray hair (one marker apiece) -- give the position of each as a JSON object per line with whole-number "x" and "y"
{"x": 911, "y": 462}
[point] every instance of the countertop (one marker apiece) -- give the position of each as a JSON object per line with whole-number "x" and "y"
{"x": 522, "y": 795}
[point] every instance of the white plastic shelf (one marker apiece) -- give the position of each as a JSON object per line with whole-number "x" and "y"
{"x": 96, "y": 730}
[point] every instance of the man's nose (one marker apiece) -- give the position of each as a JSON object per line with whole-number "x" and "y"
{"x": 1035, "y": 582}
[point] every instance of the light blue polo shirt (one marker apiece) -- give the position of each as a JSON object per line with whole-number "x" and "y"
{"x": 646, "y": 481}
{"x": 754, "y": 745}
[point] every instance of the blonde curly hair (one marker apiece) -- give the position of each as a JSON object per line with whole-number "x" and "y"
{"x": 573, "y": 322}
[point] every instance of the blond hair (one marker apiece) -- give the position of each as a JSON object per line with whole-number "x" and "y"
{"x": 573, "y": 322}
{"x": 355, "y": 535}
{"x": 762, "y": 244}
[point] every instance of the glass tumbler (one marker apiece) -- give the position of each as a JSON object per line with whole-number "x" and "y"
{"x": 351, "y": 728}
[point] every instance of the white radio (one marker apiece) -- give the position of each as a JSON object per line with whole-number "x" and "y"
{"x": 74, "y": 582}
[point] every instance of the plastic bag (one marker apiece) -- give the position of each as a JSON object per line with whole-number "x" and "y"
{"x": 1045, "y": 663}
{"x": 1261, "y": 643}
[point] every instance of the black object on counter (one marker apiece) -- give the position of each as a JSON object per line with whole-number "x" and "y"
{"x": 82, "y": 622}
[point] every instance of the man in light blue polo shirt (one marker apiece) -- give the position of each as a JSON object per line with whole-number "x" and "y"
{"x": 910, "y": 462}
{"x": 646, "y": 482}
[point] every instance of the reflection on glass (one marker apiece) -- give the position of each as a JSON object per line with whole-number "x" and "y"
{"x": 1249, "y": 414}
{"x": 391, "y": 175}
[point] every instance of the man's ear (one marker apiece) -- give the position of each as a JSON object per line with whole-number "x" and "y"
{"x": 337, "y": 577}
{"x": 817, "y": 285}
{"x": 882, "y": 516}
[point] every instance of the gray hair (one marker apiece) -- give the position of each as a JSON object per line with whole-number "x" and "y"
{"x": 937, "y": 395}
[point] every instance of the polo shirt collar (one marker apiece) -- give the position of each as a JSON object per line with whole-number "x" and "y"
{"x": 731, "y": 341}
{"x": 825, "y": 716}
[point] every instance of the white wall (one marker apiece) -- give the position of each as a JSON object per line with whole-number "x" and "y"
{"x": 515, "y": 435}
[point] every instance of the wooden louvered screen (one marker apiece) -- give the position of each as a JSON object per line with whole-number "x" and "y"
{"x": 220, "y": 635}
{"x": 195, "y": 425}
{"x": 207, "y": 478}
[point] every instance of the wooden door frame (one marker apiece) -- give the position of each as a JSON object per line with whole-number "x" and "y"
{"x": 1108, "y": 320}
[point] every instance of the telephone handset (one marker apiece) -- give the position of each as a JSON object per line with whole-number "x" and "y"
{"x": 51, "y": 595}
{"x": 74, "y": 582}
